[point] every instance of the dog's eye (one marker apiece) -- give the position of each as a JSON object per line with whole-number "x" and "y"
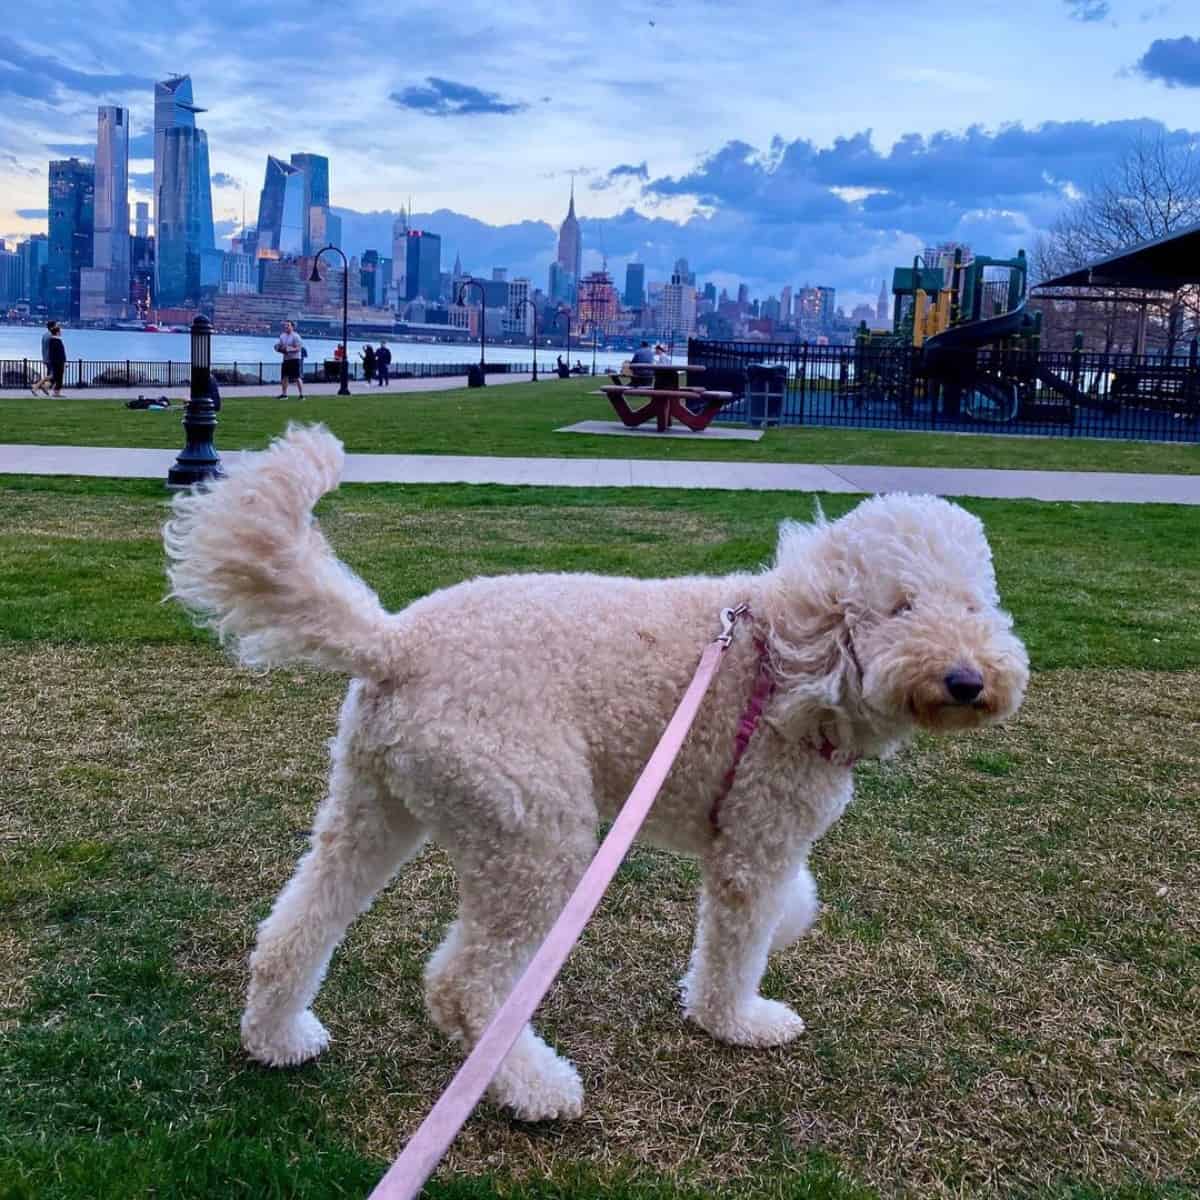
{"x": 902, "y": 607}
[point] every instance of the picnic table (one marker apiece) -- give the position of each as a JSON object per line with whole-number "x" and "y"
{"x": 667, "y": 398}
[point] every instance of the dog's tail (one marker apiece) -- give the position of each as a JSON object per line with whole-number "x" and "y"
{"x": 246, "y": 555}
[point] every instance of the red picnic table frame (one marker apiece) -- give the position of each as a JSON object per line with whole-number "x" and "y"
{"x": 666, "y": 399}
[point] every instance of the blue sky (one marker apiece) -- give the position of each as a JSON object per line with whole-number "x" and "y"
{"x": 779, "y": 143}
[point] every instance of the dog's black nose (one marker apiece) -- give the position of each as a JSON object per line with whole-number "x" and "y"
{"x": 964, "y": 684}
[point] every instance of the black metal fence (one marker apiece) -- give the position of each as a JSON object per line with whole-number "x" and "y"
{"x": 991, "y": 390}
{"x": 82, "y": 373}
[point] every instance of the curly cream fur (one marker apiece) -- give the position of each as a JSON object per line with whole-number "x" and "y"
{"x": 505, "y": 717}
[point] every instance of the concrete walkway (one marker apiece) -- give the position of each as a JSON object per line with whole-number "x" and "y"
{"x": 598, "y": 472}
{"x": 358, "y": 387}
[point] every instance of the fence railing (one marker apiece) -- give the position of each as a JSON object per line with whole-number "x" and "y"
{"x": 82, "y": 373}
{"x": 990, "y": 390}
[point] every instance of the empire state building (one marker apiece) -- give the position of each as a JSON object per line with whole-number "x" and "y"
{"x": 570, "y": 242}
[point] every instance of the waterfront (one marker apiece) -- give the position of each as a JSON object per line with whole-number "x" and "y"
{"x": 103, "y": 345}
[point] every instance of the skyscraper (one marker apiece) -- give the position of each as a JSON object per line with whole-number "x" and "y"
{"x": 570, "y": 241}
{"x": 678, "y": 307}
{"x": 882, "y": 305}
{"x": 34, "y": 254}
{"x": 785, "y": 303}
{"x": 183, "y": 221}
{"x": 110, "y": 252}
{"x": 315, "y": 169}
{"x": 142, "y": 220}
{"x": 423, "y": 266}
{"x": 10, "y": 275}
{"x": 72, "y": 201}
{"x": 281, "y": 209}
{"x": 635, "y": 285}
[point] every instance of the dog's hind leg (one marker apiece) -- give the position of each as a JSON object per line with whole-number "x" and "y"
{"x": 513, "y": 884}
{"x": 361, "y": 837}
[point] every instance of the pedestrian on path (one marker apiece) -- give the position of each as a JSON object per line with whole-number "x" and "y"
{"x": 41, "y": 385}
{"x": 383, "y": 360}
{"x": 367, "y": 353}
{"x": 58, "y": 357}
{"x": 292, "y": 349}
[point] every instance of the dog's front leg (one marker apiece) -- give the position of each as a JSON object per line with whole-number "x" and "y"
{"x": 741, "y": 906}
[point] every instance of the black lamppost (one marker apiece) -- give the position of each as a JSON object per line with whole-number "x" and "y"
{"x": 315, "y": 277}
{"x": 525, "y": 300}
{"x": 462, "y": 289}
{"x": 199, "y": 459}
{"x": 564, "y": 311}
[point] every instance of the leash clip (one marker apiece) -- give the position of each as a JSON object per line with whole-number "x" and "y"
{"x": 729, "y": 618}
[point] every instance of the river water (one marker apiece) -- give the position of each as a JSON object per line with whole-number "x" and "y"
{"x": 102, "y": 345}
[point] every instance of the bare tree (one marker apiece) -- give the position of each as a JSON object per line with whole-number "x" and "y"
{"x": 1152, "y": 191}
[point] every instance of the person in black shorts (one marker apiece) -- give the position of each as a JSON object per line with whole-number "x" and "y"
{"x": 292, "y": 349}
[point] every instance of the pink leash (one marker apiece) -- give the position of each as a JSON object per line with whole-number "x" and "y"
{"x": 407, "y": 1175}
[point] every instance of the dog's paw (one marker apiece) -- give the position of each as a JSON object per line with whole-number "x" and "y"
{"x": 762, "y": 1022}
{"x": 301, "y": 1038}
{"x": 538, "y": 1085}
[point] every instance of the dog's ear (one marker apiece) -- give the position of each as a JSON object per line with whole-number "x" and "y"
{"x": 809, "y": 641}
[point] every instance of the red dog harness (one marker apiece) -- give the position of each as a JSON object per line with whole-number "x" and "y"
{"x": 764, "y": 689}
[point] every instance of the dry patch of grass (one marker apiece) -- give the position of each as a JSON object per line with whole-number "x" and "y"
{"x": 1002, "y": 993}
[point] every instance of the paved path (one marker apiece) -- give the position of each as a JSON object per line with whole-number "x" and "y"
{"x": 600, "y": 472}
{"x": 179, "y": 391}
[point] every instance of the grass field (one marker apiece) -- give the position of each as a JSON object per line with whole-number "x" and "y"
{"x": 1002, "y": 994}
{"x": 521, "y": 419}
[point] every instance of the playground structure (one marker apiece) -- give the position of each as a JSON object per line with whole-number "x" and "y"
{"x": 963, "y": 354}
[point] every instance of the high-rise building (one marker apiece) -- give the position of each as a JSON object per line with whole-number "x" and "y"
{"x": 710, "y": 293}
{"x": 110, "y": 248}
{"x": 141, "y": 222}
{"x": 561, "y": 285}
{"x": 400, "y": 254}
{"x": 815, "y": 305}
{"x": 599, "y": 304}
{"x": 34, "y": 254}
{"x": 635, "y": 285}
{"x": 423, "y": 266}
{"x": 678, "y": 307}
{"x": 315, "y": 170}
{"x": 10, "y": 276}
{"x": 72, "y": 200}
{"x": 686, "y": 275}
{"x": 183, "y": 221}
{"x": 785, "y": 304}
{"x": 520, "y": 314}
{"x": 333, "y": 229}
{"x": 743, "y": 296}
{"x": 882, "y": 305}
{"x": 570, "y": 242}
{"x": 281, "y": 209}
{"x": 369, "y": 278}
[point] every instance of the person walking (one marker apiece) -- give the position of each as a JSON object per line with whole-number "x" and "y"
{"x": 41, "y": 385}
{"x": 292, "y": 349}
{"x": 383, "y": 360}
{"x": 58, "y": 357}
{"x": 368, "y": 360}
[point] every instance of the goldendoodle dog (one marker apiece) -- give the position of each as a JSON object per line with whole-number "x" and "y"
{"x": 507, "y": 717}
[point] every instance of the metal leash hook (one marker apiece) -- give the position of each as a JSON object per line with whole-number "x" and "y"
{"x": 729, "y": 618}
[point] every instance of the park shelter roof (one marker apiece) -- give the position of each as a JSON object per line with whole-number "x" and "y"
{"x": 1163, "y": 264}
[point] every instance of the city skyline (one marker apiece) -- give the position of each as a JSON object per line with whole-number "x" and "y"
{"x": 892, "y": 153}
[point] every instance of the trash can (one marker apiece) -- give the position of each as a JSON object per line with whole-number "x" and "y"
{"x": 475, "y": 376}
{"x": 765, "y": 387}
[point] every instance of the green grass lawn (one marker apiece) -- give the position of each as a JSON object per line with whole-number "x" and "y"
{"x": 1001, "y": 995}
{"x": 521, "y": 419}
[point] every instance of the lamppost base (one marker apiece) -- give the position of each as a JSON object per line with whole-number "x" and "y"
{"x": 183, "y": 476}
